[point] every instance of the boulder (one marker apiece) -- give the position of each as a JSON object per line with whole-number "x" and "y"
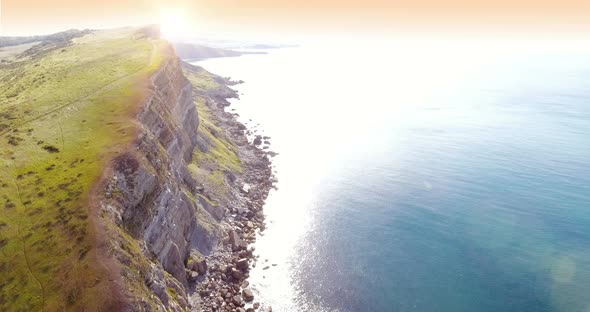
{"x": 192, "y": 276}
{"x": 243, "y": 254}
{"x": 236, "y": 242}
{"x": 237, "y": 274}
{"x": 248, "y": 295}
{"x": 202, "y": 266}
{"x": 243, "y": 264}
{"x": 197, "y": 263}
{"x": 237, "y": 300}
{"x": 173, "y": 263}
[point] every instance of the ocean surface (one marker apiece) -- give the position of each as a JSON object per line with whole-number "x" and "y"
{"x": 422, "y": 176}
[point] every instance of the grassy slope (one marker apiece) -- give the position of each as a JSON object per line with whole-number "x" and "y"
{"x": 209, "y": 167}
{"x": 62, "y": 117}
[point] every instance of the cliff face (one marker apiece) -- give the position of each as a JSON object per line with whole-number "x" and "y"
{"x": 68, "y": 107}
{"x": 150, "y": 195}
{"x": 186, "y": 182}
{"x": 115, "y": 192}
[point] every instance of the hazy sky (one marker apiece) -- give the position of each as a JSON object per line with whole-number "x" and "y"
{"x": 292, "y": 16}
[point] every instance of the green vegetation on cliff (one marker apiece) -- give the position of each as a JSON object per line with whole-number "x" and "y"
{"x": 217, "y": 155}
{"x": 65, "y": 111}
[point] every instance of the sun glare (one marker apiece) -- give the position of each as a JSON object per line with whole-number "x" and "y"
{"x": 173, "y": 22}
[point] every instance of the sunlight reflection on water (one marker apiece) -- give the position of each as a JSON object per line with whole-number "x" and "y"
{"x": 402, "y": 181}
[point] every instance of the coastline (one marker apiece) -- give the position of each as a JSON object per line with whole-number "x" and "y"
{"x": 222, "y": 284}
{"x": 135, "y": 186}
{"x": 141, "y": 189}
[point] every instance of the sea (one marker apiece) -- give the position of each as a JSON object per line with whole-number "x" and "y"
{"x": 425, "y": 174}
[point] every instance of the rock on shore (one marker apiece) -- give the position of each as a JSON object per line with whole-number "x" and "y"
{"x": 224, "y": 287}
{"x": 184, "y": 219}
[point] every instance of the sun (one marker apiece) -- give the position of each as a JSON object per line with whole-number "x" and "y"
{"x": 173, "y": 23}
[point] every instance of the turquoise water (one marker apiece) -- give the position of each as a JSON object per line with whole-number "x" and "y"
{"x": 399, "y": 194}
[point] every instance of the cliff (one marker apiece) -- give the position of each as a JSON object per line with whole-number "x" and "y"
{"x": 67, "y": 108}
{"x": 122, "y": 178}
{"x": 175, "y": 190}
{"x": 150, "y": 192}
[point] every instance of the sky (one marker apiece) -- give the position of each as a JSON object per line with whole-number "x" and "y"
{"x": 267, "y": 17}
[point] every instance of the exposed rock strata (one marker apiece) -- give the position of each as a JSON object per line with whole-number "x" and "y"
{"x": 184, "y": 252}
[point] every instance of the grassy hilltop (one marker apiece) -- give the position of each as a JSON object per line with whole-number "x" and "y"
{"x": 65, "y": 111}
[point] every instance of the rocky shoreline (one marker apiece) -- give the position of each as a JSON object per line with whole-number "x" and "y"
{"x": 219, "y": 281}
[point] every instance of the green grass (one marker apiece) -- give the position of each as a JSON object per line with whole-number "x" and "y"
{"x": 202, "y": 80}
{"x": 173, "y": 293}
{"x": 209, "y": 167}
{"x": 63, "y": 116}
{"x": 222, "y": 151}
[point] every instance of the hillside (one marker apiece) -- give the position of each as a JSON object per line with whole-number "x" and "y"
{"x": 110, "y": 190}
{"x": 64, "y": 112}
{"x": 61, "y": 37}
